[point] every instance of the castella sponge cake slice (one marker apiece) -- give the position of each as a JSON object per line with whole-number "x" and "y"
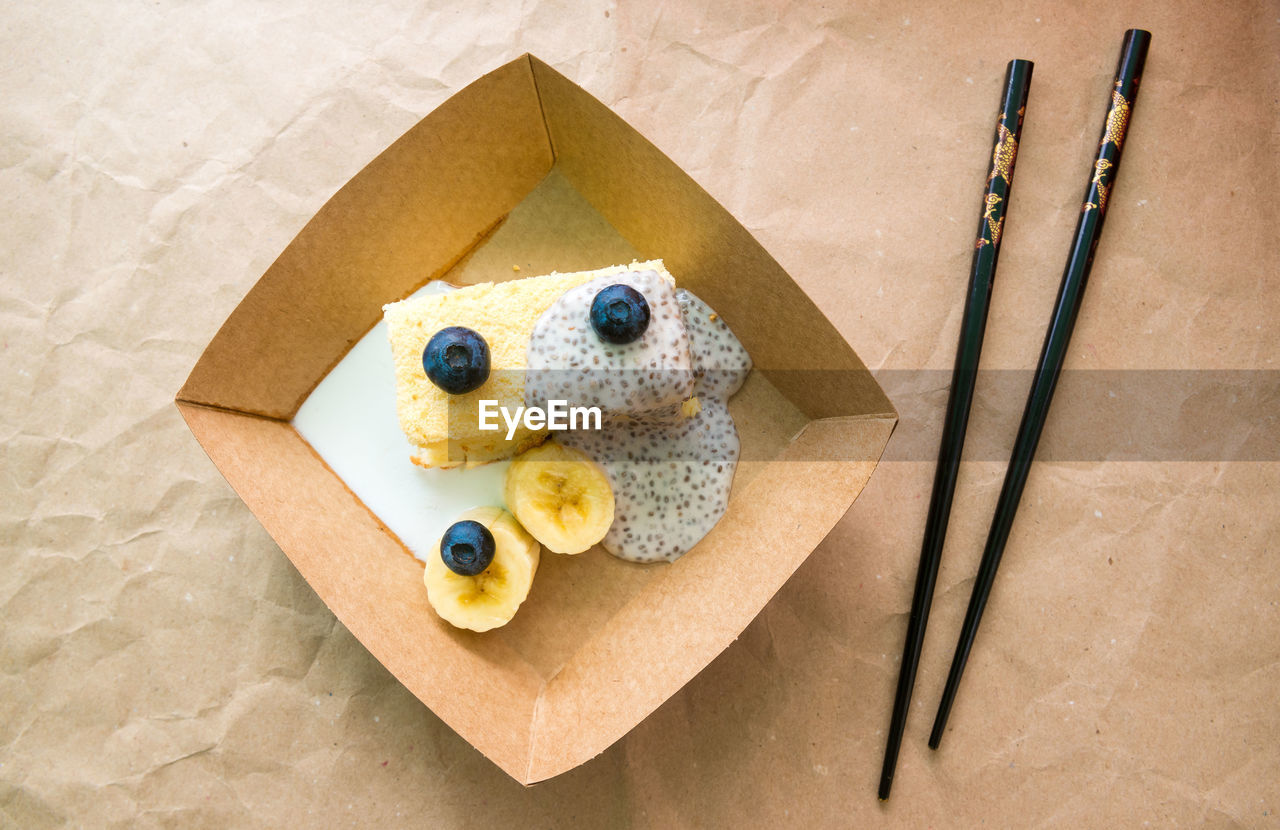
{"x": 444, "y": 427}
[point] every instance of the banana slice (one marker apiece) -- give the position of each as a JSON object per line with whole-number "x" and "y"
{"x": 490, "y": 598}
{"x": 560, "y": 496}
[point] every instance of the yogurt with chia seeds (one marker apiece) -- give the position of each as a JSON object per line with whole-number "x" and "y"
{"x": 670, "y": 475}
{"x": 667, "y": 442}
{"x": 720, "y": 361}
{"x": 568, "y": 361}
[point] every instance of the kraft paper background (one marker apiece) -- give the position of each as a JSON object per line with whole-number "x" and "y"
{"x": 163, "y": 665}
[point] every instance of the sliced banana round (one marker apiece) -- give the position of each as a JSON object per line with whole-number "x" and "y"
{"x": 560, "y": 496}
{"x": 490, "y": 598}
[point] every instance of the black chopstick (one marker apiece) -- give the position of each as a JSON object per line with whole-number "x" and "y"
{"x": 995, "y": 203}
{"x": 1123, "y": 96}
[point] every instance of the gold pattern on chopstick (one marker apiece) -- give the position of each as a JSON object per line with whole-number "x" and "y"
{"x": 992, "y": 201}
{"x": 1002, "y": 159}
{"x": 1100, "y": 168}
{"x": 1003, "y": 156}
{"x": 1113, "y": 133}
{"x": 1117, "y": 118}
{"x": 994, "y": 225}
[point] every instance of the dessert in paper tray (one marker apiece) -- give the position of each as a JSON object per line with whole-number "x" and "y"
{"x": 295, "y": 399}
{"x": 608, "y": 389}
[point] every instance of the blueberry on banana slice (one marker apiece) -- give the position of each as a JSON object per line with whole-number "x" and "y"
{"x": 456, "y": 359}
{"x": 490, "y": 597}
{"x": 467, "y": 548}
{"x": 619, "y": 314}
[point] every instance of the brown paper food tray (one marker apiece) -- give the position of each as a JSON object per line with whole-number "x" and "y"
{"x": 525, "y": 168}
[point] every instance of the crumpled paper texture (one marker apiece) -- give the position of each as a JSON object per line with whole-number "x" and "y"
{"x": 162, "y": 664}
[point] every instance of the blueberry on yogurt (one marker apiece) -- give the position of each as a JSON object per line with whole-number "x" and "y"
{"x": 467, "y": 548}
{"x": 456, "y": 359}
{"x": 619, "y": 314}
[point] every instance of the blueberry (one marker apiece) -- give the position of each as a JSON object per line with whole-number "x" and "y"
{"x": 467, "y": 548}
{"x": 619, "y": 314}
{"x": 457, "y": 360}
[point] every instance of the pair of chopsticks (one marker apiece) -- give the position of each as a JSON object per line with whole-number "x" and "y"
{"x": 1122, "y": 96}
